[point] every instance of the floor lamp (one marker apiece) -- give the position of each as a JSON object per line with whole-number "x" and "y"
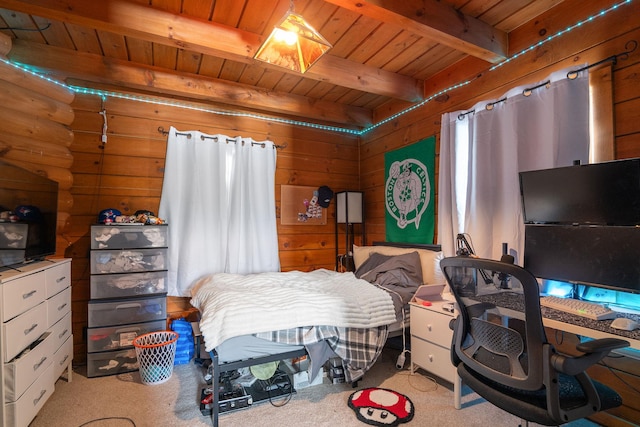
{"x": 349, "y": 211}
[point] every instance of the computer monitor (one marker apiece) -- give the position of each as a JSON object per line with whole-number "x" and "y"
{"x": 605, "y": 257}
{"x": 605, "y": 193}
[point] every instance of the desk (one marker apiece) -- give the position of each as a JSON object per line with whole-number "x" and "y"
{"x": 511, "y": 304}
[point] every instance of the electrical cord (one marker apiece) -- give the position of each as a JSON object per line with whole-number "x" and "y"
{"x": 275, "y": 380}
{"x": 107, "y": 419}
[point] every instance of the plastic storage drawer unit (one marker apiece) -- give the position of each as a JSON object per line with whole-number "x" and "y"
{"x": 128, "y": 285}
{"x": 121, "y": 336}
{"x": 123, "y": 312}
{"x": 128, "y": 236}
{"x": 111, "y": 362}
{"x": 128, "y": 260}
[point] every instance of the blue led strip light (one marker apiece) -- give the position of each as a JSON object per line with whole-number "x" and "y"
{"x": 336, "y": 129}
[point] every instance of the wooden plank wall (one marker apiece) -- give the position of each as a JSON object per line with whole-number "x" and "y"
{"x": 591, "y": 43}
{"x": 126, "y": 173}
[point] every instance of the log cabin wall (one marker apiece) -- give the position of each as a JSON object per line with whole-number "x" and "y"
{"x": 594, "y": 42}
{"x": 126, "y": 173}
{"x": 585, "y": 45}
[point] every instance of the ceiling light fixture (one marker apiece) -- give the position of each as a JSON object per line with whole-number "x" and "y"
{"x": 293, "y": 44}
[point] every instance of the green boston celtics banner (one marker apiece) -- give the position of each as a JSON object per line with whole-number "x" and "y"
{"x": 409, "y": 192}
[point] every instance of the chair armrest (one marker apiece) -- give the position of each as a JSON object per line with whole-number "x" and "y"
{"x": 594, "y": 351}
{"x": 602, "y": 344}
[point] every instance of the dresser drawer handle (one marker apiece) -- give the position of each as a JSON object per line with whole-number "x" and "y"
{"x": 37, "y": 365}
{"x": 63, "y": 333}
{"x": 29, "y": 294}
{"x": 29, "y": 330}
{"x": 37, "y": 399}
{"x": 61, "y": 307}
{"x": 60, "y": 279}
{"x": 62, "y": 362}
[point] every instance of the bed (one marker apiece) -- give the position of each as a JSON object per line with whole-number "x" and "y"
{"x": 253, "y": 319}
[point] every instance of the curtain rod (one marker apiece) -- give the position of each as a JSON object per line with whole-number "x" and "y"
{"x": 630, "y": 46}
{"x": 215, "y": 138}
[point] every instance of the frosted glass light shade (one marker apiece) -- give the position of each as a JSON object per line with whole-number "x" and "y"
{"x": 352, "y": 200}
{"x": 293, "y": 44}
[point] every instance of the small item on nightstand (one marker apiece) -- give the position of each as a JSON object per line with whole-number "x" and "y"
{"x": 448, "y": 307}
{"x": 426, "y": 303}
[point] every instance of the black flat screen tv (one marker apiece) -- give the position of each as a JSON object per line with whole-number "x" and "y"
{"x": 605, "y": 257}
{"x": 598, "y": 193}
{"x": 28, "y": 215}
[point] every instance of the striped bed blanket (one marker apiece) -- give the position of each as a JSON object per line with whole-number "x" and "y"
{"x": 351, "y": 315}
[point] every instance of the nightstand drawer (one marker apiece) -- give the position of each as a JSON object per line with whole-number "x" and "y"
{"x": 432, "y": 358}
{"x": 431, "y": 325}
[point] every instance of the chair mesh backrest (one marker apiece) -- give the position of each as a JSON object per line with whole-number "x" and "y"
{"x": 506, "y": 349}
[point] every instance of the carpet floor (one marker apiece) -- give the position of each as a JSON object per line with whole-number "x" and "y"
{"x": 123, "y": 401}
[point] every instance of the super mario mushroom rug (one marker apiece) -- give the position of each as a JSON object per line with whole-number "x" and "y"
{"x": 381, "y": 407}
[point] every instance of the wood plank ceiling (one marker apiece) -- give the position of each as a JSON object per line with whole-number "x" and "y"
{"x": 383, "y": 51}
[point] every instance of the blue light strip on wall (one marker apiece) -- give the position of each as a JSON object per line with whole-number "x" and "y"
{"x": 185, "y": 105}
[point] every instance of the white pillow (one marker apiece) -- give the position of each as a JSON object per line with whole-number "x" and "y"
{"x": 429, "y": 260}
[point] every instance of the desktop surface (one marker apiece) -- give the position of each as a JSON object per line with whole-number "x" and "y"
{"x": 515, "y": 301}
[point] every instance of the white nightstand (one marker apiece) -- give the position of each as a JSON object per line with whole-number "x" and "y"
{"x": 431, "y": 343}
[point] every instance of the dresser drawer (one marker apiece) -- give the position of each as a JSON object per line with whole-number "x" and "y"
{"x": 20, "y": 332}
{"x": 22, "y": 294}
{"x": 58, "y": 306}
{"x": 432, "y": 358}
{"x": 128, "y": 285}
{"x": 431, "y": 325}
{"x": 60, "y": 331}
{"x": 123, "y": 312}
{"x": 57, "y": 278}
{"x": 128, "y": 261}
{"x": 117, "y": 337}
{"x": 128, "y": 236}
{"x": 21, "y": 412}
{"x": 62, "y": 358}
{"x": 22, "y": 371}
{"x": 111, "y": 362}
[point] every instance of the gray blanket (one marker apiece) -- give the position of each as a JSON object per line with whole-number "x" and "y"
{"x": 401, "y": 275}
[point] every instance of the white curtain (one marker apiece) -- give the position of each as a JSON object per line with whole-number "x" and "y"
{"x": 218, "y": 197}
{"x": 482, "y": 152}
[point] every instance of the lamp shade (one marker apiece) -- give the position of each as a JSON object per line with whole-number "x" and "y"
{"x": 349, "y": 203}
{"x": 293, "y": 44}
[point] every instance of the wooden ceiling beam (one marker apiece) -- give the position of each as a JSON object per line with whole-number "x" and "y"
{"x": 64, "y": 63}
{"x": 158, "y": 26}
{"x": 438, "y": 21}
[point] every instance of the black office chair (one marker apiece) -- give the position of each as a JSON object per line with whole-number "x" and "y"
{"x": 507, "y": 360}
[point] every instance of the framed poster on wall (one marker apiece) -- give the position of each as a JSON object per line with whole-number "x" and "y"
{"x": 299, "y": 206}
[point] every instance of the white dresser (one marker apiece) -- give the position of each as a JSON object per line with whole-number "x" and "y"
{"x": 37, "y": 342}
{"x": 431, "y": 342}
